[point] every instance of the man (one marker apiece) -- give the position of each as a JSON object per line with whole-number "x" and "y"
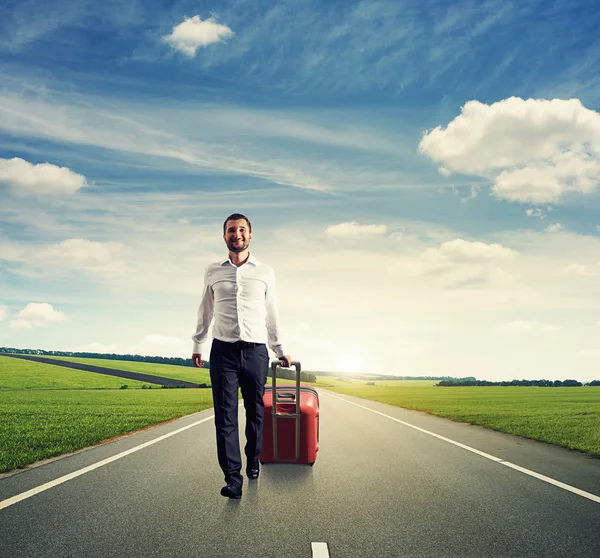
{"x": 240, "y": 293}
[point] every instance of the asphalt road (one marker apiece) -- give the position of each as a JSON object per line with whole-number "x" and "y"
{"x": 379, "y": 488}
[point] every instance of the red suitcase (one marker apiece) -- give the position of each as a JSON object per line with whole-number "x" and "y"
{"x": 291, "y": 432}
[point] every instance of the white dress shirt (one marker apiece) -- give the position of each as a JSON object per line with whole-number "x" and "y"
{"x": 243, "y": 302}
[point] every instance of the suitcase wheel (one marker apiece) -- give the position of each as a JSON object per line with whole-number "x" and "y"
{"x": 311, "y": 464}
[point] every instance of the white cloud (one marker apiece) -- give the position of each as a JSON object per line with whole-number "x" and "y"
{"x": 554, "y": 228}
{"x": 534, "y": 150}
{"x": 469, "y": 264}
{"x": 27, "y": 179}
{"x": 354, "y": 229}
{"x": 460, "y": 263}
{"x": 82, "y": 253}
{"x": 460, "y": 250}
{"x": 37, "y": 314}
{"x": 547, "y": 181}
{"x": 194, "y": 33}
{"x": 3, "y": 313}
{"x": 523, "y": 326}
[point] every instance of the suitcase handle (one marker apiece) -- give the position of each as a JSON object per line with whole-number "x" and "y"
{"x": 291, "y": 396}
{"x": 296, "y": 396}
{"x": 279, "y": 363}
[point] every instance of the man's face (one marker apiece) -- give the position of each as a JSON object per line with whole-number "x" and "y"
{"x": 237, "y": 236}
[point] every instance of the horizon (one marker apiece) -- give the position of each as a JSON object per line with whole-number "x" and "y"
{"x": 4, "y": 350}
{"x": 422, "y": 176}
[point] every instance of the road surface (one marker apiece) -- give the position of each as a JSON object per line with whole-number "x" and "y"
{"x": 388, "y": 482}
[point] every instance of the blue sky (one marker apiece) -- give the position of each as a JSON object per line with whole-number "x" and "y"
{"x": 423, "y": 177}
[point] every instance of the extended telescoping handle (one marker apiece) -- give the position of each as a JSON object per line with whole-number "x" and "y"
{"x": 278, "y": 364}
{"x": 276, "y": 415}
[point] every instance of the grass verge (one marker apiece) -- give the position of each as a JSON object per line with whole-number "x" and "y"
{"x": 40, "y": 424}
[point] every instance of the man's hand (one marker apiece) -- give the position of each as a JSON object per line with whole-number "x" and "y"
{"x": 286, "y": 361}
{"x": 197, "y": 360}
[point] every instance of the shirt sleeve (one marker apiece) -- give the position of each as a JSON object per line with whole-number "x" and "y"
{"x": 273, "y": 327}
{"x": 205, "y": 315}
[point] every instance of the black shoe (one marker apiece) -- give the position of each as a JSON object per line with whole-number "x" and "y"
{"x": 253, "y": 471}
{"x": 232, "y": 491}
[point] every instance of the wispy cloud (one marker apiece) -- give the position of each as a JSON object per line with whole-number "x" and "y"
{"x": 353, "y": 229}
{"x": 204, "y": 141}
{"x": 30, "y": 20}
{"x": 364, "y": 45}
{"x": 95, "y": 258}
{"x": 106, "y": 129}
{"x": 474, "y": 192}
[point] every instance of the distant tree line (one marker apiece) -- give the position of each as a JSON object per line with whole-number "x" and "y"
{"x": 539, "y": 383}
{"x": 381, "y": 376}
{"x": 283, "y": 373}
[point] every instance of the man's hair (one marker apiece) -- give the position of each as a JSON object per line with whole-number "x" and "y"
{"x": 235, "y": 217}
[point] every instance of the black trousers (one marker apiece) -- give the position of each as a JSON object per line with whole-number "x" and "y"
{"x": 231, "y": 365}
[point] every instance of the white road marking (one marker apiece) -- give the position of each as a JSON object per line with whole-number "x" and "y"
{"x": 319, "y": 550}
{"x": 549, "y": 480}
{"x": 65, "y": 478}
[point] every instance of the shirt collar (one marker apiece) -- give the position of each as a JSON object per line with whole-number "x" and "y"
{"x": 251, "y": 260}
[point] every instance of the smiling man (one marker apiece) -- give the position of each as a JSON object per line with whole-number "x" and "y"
{"x": 240, "y": 294}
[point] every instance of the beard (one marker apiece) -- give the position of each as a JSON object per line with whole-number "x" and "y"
{"x": 238, "y": 247}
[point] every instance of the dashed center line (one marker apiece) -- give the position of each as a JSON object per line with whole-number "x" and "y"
{"x": 498, "y": 460}
{"x": 319, "y": 550}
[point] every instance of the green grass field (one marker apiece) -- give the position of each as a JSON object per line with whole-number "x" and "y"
{"x": 48, "y": 410}
{"x": 17, "y": 374}
{"x": 39, "y": 424}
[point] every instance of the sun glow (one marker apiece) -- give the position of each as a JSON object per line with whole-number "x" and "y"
{"x": 352, "y": 363}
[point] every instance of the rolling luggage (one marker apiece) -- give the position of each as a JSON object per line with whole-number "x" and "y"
{"x": 291, "y": 424}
